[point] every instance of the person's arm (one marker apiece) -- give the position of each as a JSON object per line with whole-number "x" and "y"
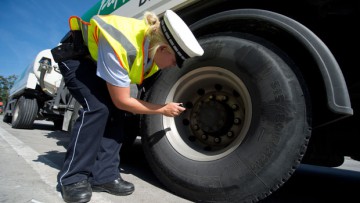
{"x": 122, "y": 100}
{"x": 118, "y": 82}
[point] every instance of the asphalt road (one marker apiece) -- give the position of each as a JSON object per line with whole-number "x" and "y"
{"x": 31, "y": 159}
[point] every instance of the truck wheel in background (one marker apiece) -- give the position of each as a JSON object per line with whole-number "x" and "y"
{"x": 25, "y": 112}
{"x": 7, "y": 118}
{"x": 246, "y": 126}
{"x": 74, "y": 116}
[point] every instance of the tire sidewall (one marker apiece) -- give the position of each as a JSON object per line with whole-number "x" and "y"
{"x": 275, "y": 141}
{"x": 26, "y": 110}
{"x": 16, "y": 119}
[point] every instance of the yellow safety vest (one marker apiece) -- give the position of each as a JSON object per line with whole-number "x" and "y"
{"x": 125, "y": 35}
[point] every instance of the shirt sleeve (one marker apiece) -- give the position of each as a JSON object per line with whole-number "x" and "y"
{"x": 108, "y": 66}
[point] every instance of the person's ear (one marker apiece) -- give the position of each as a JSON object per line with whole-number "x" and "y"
{"x": 163, "y": 48}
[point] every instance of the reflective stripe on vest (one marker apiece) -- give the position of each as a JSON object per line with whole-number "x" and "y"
{"x": 127, "y": 41}
{"x": 119, "y": 36}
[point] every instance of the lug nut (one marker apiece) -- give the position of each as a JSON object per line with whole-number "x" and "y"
{"x": 223, "y": 98}
{"x": 196, "y": 127}
{"x": 217, "y": 139}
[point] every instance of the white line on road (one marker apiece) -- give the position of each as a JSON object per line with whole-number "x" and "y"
{"x": 47, "y": 174}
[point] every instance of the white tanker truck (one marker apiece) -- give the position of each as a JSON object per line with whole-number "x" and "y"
{"x": 39, "y": 94}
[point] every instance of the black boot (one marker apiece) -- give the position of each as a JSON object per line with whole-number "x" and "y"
{"x": 77, "y": 192}
{"x": 116, "y": 187}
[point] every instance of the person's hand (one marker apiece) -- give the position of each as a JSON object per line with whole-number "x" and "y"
{"x": 173, "y": 109}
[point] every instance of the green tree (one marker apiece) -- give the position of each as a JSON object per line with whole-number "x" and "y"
{"x": 5, "y": 85}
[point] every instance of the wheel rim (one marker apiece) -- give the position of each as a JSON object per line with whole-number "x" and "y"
{"x": 218, "y": 114}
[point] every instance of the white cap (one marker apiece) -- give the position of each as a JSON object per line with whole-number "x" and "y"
{"x": 180, "y": 37}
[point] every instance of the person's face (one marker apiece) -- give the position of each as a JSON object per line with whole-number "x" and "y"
{"x": 164, "y": 58}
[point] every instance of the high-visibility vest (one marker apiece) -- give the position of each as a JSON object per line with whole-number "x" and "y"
{"x": 125, "y": 35}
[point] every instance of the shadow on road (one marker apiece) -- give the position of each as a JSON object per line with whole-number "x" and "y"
{"x": 132, "y": 159}
{"x": 313, "y": 184}
{"x": 309, "y": 184}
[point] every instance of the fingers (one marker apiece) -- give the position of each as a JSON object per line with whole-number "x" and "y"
{"x": 174, "y": 109}
{"x": 181, "y": 108}
{"x": 176, "y": 112}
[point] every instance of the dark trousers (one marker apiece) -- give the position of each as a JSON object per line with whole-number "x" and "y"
{"x": 93, "y": 151}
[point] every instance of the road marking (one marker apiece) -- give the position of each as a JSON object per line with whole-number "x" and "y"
{"x": 45, "y": 168}
{"x": 29, "y": 154}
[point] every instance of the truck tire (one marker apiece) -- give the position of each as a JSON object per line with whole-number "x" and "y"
{"x": 245, "y": 129}
{"x": 7, "y": 118}
{"x": 24, "y": 113}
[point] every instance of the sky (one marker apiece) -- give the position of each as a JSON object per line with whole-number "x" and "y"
{"x": 30, "y": 26}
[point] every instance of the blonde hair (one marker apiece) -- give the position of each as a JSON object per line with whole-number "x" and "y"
{"x": 154, "y": 33}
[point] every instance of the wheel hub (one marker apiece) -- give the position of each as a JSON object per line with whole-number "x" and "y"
{"x": 212, "y": 115}
{"x": 213, "y": 120}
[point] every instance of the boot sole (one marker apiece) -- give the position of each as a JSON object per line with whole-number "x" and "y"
{"x": 101, "y": 189}
{"x": 78, "y": 201}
